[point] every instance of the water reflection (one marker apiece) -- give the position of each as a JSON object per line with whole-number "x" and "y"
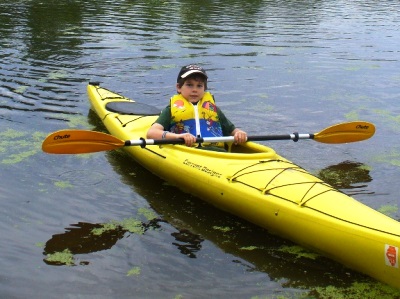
{"x": 81, "y": 238}
{"x": 352, "y": 176}
{"x": 84, "y": 238}
{"x": 189, "y": 243}
{"x": 47, "y": 55}
{"x": 55, "y": 29}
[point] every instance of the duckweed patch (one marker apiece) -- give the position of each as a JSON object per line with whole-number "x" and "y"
{"x": 56, "y": 75}
{"x": 163, "y": 66}
{"x": 17, "y": 146}
{"x": 63, "y": 184}
{"x": 249, "y": 248}
{"x": 61, "y": 258}
{"x": 104, "y": 228}
{"x": 21, "y": 89}
{"x": 12, "y": 134}
{"x": 388, "y": 210}
{"x": 148, "y": 214}
{"x": 261, "y": 106}
{"x": 284, "y": 296}
{"x": 223, "y": 228}
{"x": 75, "y": 121}
{"x": 352, "y": 116}
{"x": 16, "y": 158}
{"x": 353, "y": 68}
{"x": 134, "y": 271}
{"x": 299, "y": 252}
{"x": 131, "y": 225}
{"x": 390, "y": 117}
{"x": 392, "y": 158}
{"x": 356, "y": 291}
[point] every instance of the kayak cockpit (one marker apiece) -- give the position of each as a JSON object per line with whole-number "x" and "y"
{"x": 239, "y": 152}
{"x": 247, "y": 148}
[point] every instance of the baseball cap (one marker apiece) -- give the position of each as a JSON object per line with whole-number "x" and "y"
{"x": 191, "y": 69}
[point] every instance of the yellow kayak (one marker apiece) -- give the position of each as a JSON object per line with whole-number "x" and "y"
{"x": 255, "y": 183}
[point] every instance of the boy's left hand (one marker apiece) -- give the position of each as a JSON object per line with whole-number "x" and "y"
{"x": 240, "y": 136}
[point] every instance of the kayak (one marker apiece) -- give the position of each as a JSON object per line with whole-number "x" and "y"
{"x": 255, "y": 183}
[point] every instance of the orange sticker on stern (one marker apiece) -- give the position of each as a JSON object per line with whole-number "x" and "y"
{"x": 392, "y": 256}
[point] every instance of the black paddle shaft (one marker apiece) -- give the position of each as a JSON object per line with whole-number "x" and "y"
{"x": 143, "y": 142}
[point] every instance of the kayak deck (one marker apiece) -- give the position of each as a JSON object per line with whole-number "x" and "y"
{"x": 253, "y": 182}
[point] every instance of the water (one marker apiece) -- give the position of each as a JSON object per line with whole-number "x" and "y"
{"x": 275, "y": 67}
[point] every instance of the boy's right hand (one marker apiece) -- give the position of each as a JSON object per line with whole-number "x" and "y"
{"x": 189, "y": 139}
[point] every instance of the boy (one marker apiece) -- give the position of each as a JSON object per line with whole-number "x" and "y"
{"x": 192, "y": 112}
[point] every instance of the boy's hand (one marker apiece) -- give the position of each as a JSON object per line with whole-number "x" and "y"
{"x": 239, "y": 136}
{"x": 189, "y": 139}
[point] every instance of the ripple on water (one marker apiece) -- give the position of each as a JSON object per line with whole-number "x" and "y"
{"x": 82, "y": 177}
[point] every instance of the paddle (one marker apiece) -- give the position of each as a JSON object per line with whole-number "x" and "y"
{"x": 84, "y": 141}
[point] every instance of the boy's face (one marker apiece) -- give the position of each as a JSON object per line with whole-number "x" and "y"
{"x": 193, "y": 90}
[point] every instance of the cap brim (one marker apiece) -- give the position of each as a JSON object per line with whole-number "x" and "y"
{"x": 184, "y": 75}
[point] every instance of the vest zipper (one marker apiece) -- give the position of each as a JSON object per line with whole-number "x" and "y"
{"x": 196, "y": 117}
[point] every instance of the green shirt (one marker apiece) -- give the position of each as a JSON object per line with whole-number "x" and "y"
{"x": 165, "y": 120}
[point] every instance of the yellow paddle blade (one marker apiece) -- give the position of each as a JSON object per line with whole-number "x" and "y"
{"x": 346, "y": 132}
{"x": 79, "y": 142}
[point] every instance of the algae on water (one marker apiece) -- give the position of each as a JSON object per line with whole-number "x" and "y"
{"x": 148, "y": 214}
{"x": 104, "y": 228}
{"x": 62, "y": 258}
{"x": 222, "y": 229}
{"x": 17, "y": 146}
{"x": 357, "y": 290}
{"x": 134, "y": 271}
{"x": 299, "y": 252}
{"x": 249, "y": 248}
{"x": 63, "y": 185}
{"x": 388, "y": 210}
{"x": 131, "y": 225}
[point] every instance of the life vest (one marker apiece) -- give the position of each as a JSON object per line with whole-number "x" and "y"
{"x": 199, "y": 120}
